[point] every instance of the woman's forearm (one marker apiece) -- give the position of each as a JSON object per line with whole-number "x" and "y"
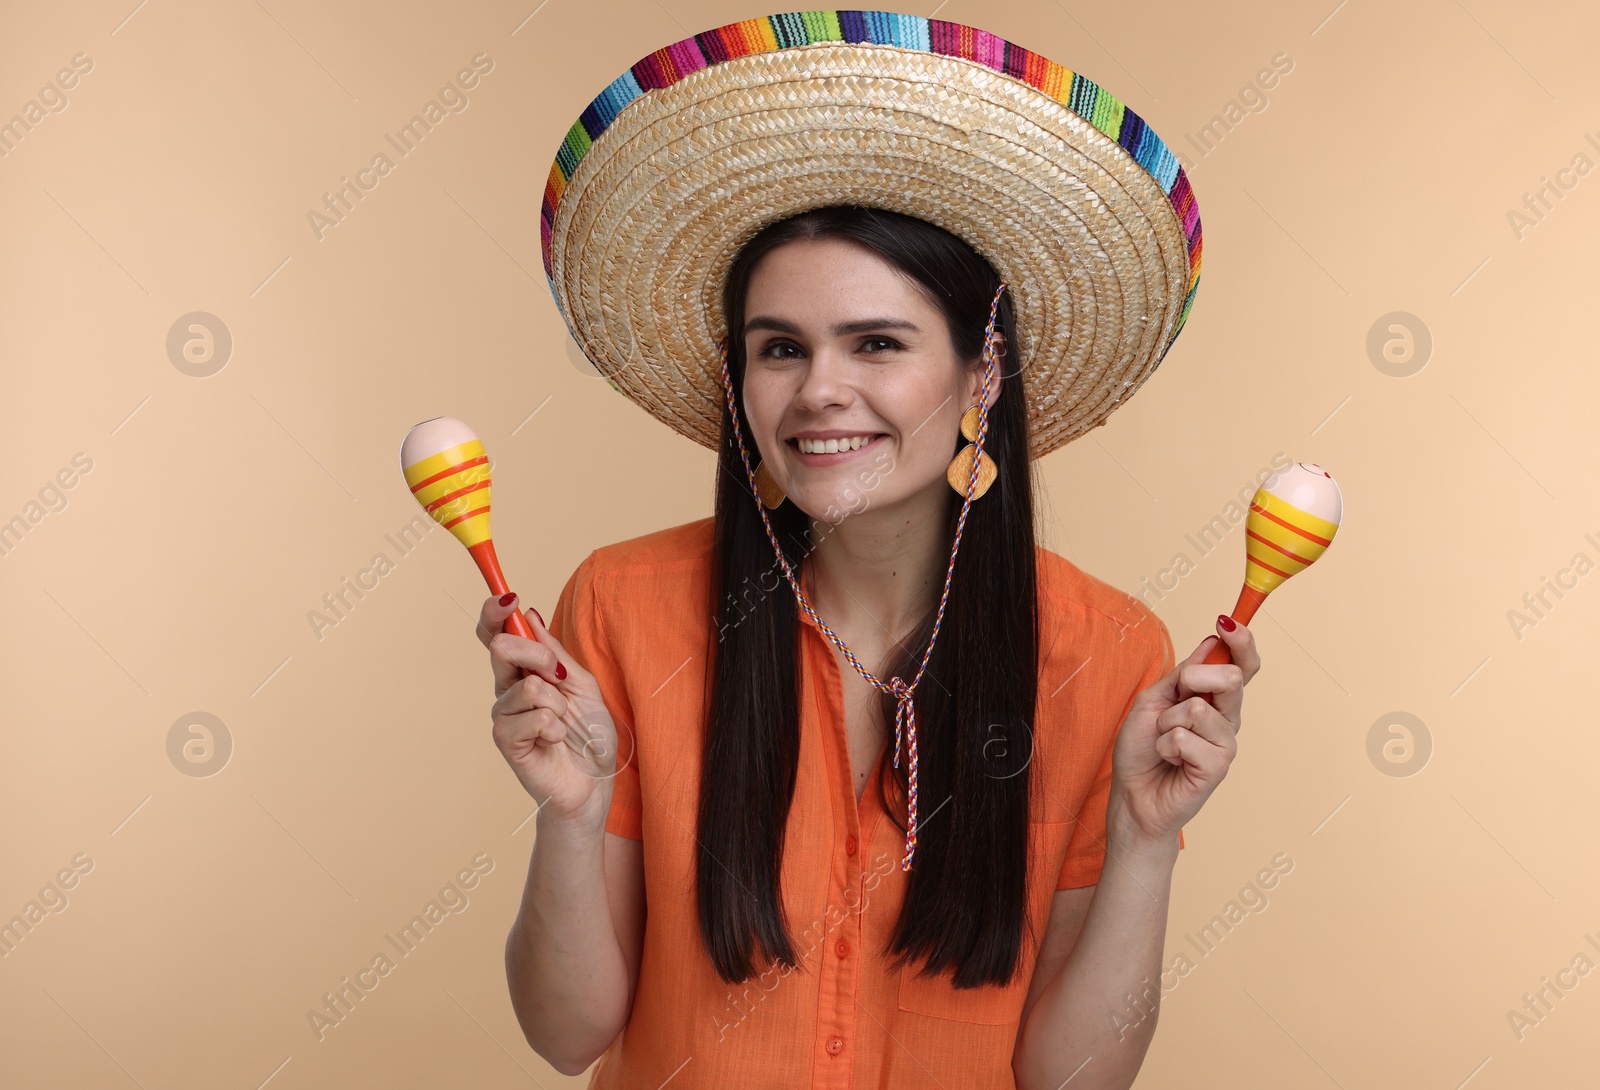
{"x": 564, "y": 965}
{"x": 1083, "y": 1026}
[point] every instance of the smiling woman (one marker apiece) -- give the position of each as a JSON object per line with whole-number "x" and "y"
{"x": 825, "y": 286}
{"x": 902, "y": 357}
{"x": 713, "y": 767}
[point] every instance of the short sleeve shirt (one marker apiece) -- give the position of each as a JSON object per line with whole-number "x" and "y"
{"x": 633, "y": 615}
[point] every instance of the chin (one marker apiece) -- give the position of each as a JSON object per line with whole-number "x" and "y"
{"x": 850, "y": 500}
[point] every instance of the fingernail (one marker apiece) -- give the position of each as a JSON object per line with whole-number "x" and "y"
{"x": 539, "y": 615}
{"x": 1228, "y": 624}
{"x": 561, "y": 672}
{"x": 507, "y": 598}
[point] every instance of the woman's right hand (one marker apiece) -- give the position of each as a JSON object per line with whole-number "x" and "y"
{"x": 550, "y": 721}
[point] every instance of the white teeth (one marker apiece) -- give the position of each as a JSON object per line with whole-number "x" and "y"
{"x": 833, "y": 446}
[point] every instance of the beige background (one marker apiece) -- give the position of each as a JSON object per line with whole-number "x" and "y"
{"x": 217, "y": 910}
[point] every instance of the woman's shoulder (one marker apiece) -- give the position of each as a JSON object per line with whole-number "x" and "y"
{"x": 638, "y": 602}
{"x": 687, "y": 545}
{"x": 1072, "y": 600}
{"x": 650, "y": 585}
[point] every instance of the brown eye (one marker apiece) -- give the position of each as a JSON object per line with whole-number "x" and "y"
{"x": 769, "y": 351}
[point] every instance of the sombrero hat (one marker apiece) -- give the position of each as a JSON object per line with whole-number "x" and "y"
{"x": 1082, "y": 210}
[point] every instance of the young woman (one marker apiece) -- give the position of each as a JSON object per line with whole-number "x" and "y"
{"x": 853, "y": 783}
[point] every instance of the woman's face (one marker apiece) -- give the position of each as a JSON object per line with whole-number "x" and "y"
{"x": 838, "y": 343}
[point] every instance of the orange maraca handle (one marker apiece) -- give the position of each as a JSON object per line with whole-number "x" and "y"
{"x": 489, "y": 564}
{"x": 1249, "y": 600}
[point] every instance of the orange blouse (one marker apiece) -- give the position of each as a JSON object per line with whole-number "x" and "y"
{"x": 632, "y": 614}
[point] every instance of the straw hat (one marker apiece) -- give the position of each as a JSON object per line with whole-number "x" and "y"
{"x": 1078, "y": 205}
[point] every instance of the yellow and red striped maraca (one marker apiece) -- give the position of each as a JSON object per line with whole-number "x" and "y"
{"x": 447, "y": 470}
{"x": 1293, "y": 517}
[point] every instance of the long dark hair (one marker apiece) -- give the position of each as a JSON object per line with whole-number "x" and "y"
{"x": 965, "y": 902}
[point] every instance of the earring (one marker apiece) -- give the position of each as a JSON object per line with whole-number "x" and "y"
{"x": 960, "y": 471}
{"x": 772, "y": 496}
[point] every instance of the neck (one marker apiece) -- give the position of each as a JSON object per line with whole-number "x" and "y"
{"x": 879, "y": 572}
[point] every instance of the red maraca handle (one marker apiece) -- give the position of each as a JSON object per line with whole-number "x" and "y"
{"x": 489, "y": 565}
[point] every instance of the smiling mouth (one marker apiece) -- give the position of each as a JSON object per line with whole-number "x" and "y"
{"x": 843, "y": 454}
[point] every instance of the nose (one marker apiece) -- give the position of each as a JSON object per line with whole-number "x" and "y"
{"x": 825, "y": 384}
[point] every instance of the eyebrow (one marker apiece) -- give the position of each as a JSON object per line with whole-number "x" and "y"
{"x": 861, "y": 325}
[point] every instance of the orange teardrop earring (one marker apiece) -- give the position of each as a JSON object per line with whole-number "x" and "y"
{"x": 771, "y": 494}
{"x": 960, "y": 471}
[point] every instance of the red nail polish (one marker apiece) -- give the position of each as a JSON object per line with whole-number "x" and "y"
{"x": 539, "y": 615}
{"x": 507, "y": 598}
{"x": 561, "y": 672}
{"x": 1228, "y": 624}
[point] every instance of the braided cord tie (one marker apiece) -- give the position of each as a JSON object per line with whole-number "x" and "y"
{"x": 905, "y": 716}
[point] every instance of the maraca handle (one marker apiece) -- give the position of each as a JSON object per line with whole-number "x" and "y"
{"x": 1249, "y": 600}
{"x": 518, "y": 624}
{"x": 489, "y": 564}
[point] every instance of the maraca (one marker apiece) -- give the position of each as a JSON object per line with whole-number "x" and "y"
{"x": 1293, "y": 517}
{"x": 448, "y": 472}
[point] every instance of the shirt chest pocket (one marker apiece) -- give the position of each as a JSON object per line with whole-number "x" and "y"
{"x": 995, "y": 1004}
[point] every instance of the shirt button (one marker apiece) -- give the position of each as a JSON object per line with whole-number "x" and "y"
{"x": 835, "y": 1046}
{"x": 849, "y": 845}
{"x": 842, "y": 949}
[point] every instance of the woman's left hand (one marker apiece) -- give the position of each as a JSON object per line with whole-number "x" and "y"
{"x": 1174, "y": 747}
